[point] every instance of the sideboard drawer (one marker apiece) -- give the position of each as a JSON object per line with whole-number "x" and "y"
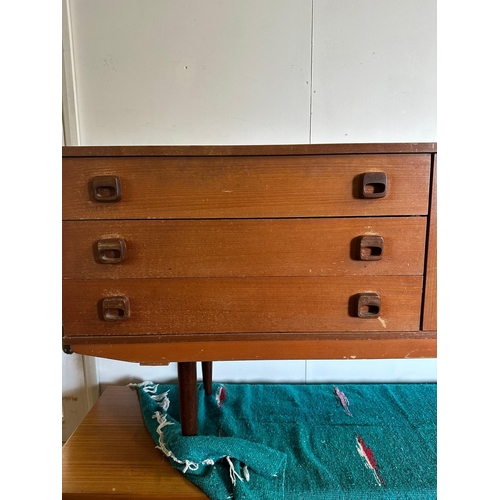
{"x": 248, "y": 305}
{"x": 245, "y": 187}
{"x": 244, "y": 247}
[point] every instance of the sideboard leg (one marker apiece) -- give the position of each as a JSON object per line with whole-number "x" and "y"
{"x": 188, "y": 398}
{"x": 206, "y": 367}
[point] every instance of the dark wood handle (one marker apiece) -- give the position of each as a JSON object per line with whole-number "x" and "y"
{"x": 370, "y": 247}
{"x": 111, "y": 250}
{"x": 368, "y": 305}
{"x": 374, "y": 185}
{"x": 115, "y": 308}
{"x": 107, "y": 188}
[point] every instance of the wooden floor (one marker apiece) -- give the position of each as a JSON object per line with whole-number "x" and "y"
{"x": 112, "y": 456}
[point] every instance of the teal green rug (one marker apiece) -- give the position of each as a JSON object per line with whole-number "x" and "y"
{"x": 294, "y": 441}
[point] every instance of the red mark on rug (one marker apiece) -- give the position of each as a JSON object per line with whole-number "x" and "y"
{"x": 343, "y": 400}
{"x": 370, "y": 461}
{"x": 220, "y": 397}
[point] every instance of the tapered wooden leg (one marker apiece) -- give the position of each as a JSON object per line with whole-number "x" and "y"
{"x": 188, "y": 398}
{"x": 206, "y": 368}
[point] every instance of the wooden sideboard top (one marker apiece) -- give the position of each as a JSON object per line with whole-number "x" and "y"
{"x": 261, "y": 150}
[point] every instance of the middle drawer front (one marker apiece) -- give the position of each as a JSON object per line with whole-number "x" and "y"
{"x": 250, "y": 247}
{"x": 207, "y": 305}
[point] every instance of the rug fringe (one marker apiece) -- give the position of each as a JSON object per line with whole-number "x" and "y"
{"x": 164, "y": 403}
{"x": 232, "y": 472}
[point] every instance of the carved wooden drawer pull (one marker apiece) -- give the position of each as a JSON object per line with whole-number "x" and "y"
{"x": 368, "y": 305}
{"x": 374, "y": 185}
{"x": 370, "y": 247}
{"x": 111, "y": 250}
{"x": 115, "y": 308}
{"x": 107, "y": 188}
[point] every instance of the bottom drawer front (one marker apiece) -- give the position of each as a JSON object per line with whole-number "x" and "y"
{"x": 205, "y": 305}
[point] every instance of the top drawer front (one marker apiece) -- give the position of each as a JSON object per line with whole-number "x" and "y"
{"x": 246, "y": 187}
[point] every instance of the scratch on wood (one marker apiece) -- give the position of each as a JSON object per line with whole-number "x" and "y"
{"x": 382, "y": 321}
{"x": 408, "y": 355}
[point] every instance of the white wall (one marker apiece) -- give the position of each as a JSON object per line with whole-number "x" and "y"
{"x": 374, "y": 71}
{"x": 257, "y": 72}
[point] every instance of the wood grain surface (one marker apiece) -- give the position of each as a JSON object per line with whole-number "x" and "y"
{"x": 245, "y": 187}
{"x": 244, "y": 150}
{"x": 249, "y": 247}
{"x": 111, "y": 456}
{"x": 268, "y": 347}
{"x": 206, "y": 305}
{"x": 429, "y": 321}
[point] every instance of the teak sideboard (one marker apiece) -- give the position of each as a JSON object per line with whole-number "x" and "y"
{"x": 211, "y": 253}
